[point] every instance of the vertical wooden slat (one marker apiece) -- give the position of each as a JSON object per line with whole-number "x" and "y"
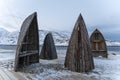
{"x": 98, "y": 38}
{"x": 28, "y": 43}
{"x": 48, "y": 50}
{"x": 79, "y": 56}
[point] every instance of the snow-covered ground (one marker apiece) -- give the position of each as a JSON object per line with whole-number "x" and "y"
{"x": 105, "y": 69}
{"x": 6, "y": 55}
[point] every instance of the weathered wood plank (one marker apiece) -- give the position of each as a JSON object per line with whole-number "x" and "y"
{"x": 79, "y": 57}
{"x": 98, "y": 44}
{"x": 28, "y": 42}
{"x": 48, "y": 50}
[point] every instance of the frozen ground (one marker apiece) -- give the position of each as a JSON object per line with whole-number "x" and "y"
{"x": 6, "y": 54}
{"x": 105, "y": 69}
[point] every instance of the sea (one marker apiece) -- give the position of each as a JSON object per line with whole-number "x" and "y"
{"x": 58, "y": 48}
{"x": 8, "y": 51}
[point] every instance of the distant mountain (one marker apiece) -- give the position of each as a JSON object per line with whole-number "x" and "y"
{"x": 112, "y": 43}
{"x": 61, "y": 38}
{"x": 10, "y": 38}
{"x": 3, "y": 32}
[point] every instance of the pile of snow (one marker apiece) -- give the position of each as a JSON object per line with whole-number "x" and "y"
{"x": 52, "y": 71}
{"x": 52, "y": 74}
{"x": 8, "y": 64}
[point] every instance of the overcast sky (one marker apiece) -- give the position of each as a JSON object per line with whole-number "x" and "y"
{"x": 62, "y": 15}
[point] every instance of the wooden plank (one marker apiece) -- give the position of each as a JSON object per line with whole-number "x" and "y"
{"x": 79, "y": 57}
{"x": 48, "y": 50}
{"x": 101, "y": 44}
{"x": 28, "y": 41}
{"x": 6, "y": 75}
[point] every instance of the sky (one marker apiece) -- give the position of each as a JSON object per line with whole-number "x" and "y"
{"x": 62, "y": 14}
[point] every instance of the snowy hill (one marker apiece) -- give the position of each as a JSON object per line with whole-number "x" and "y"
{"x": 10, "y": 38}
{"x": 112, "y": 43}
{"x": 60, "y": 37}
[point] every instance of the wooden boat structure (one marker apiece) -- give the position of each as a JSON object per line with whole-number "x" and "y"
{"x": 79, "y": 57}
{"x": 98, "y": 44}
{"x": 27, "y": 51}
{"x": 48, "y": 50}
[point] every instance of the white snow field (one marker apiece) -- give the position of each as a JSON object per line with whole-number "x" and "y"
{"x": 105, "y": 69}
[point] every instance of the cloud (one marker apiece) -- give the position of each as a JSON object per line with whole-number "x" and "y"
{"x": 62, "y": 14}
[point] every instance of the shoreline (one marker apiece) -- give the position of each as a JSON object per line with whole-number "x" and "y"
{"x": 42, "y": 45}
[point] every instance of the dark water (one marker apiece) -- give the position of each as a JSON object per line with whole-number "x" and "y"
{"x": 114, "y": 48}
{"x": 59, "y": 48}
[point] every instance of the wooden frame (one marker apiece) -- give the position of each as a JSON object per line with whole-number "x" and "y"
{"x": 27, "y": 51}
{"x": 79, "y": 57}
{"x": 48, "y": 50}
{"x": 98, "y": 44}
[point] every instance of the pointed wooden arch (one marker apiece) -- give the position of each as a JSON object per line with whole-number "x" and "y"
{"x": 79, "y": 57}
{"x": 98, "y": 44}
{"x": 27, "y": 51}
{"x": 48, "y": 50}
